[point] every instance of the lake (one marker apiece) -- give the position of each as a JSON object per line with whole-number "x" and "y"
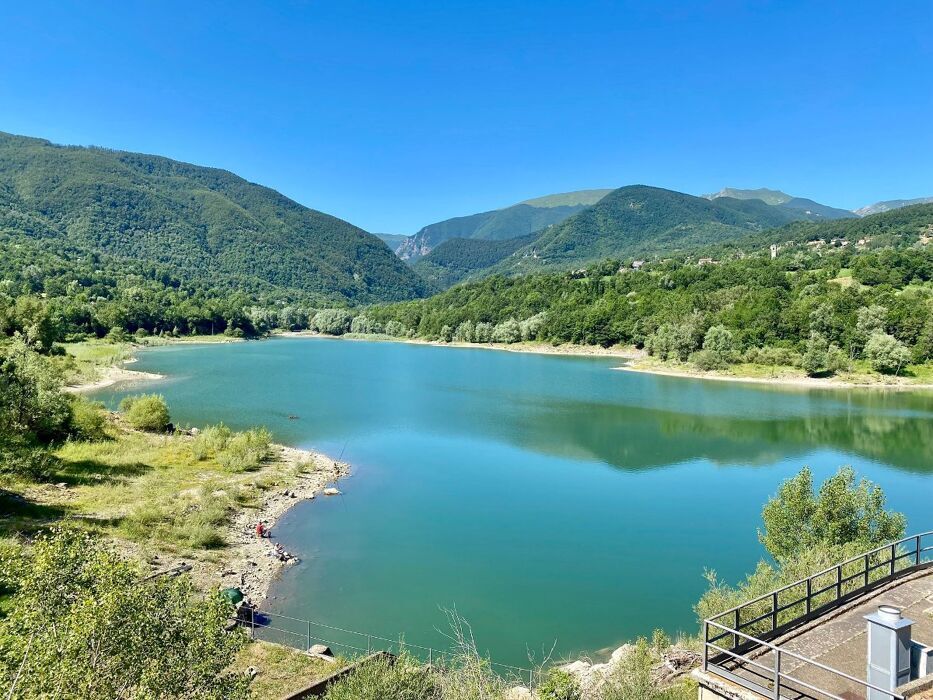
{"x": 551, "y": 501}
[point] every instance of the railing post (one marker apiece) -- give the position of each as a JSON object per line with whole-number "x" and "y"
{"x": 777, "y": 674}
{"x": 735, "y": 636}
{"x": 252, "y": 622}
{"x": 308, "y": 648}
{"x": 893, "y": 557}
{"x": 705, "y": 645}
{"x": 369, "y": 644}
{"x": 866, "y": 570}
{"x": 838, "y": 582}
{"x": 809, "y": 595}
{"x": 774, "y": 611}
{"x": 917, "y": 558}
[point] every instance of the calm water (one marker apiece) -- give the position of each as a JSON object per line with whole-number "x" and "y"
{"x": 545, "y": 498}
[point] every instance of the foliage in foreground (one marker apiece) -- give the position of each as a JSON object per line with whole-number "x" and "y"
{"x": 82, "y": 624}
{"x": 146, "y": 412}
{"x": 807, "y": 531}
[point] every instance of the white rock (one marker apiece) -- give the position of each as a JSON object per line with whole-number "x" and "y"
{"x": 519, "y": 692}
{"x": 331, "y": 491}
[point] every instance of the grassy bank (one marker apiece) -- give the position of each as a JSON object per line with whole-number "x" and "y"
{"x": 859, "y": 375}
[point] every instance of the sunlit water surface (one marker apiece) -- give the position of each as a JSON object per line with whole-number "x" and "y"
{"x": 547, "y": 499}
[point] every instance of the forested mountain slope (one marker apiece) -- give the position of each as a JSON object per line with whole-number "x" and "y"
{"x": 641, "y": 220}
{"x": 205, "y": 224}
{"x": 501, "y": 224}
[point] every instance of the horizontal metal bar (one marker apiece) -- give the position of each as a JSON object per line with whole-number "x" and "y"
{"x": 832, "y": 569}
{"x": 793, "y": 655}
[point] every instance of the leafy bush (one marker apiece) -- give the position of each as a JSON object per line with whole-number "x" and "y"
{"x": 886, "y": 353}
{"x": 210, "y": 441}
{"x": 707, "y": 360}
{"x": 720, "y": 344}
{"x": 507, "y": 332}
{"x": 558, "y": 685}
{"x": 33, "y": 408}
{"x": 146, "y": 412}
{"x": 246, "y": 450}
{"x": 672, "y": 341}
{"x": 798, "y": 519}
{"x": 806, "y": 532}
{"x": 81, "y": 626}
{"x": 331, "y": 321}
{"x": 482, "y": 332}
{"x": 88, "y": 418}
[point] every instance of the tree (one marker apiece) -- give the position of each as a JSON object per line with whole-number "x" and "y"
{"x": 814, "y": 359}
{"x": 720, "y": 343}
{"x": 146, "y": 412}
{"x": 33, "y": 408}
{"x": 331, "y": 321}
{"x": 507, "y": 332}
{"x": 843, "y": 512}
{"x": 870, "y": 320}
{"x": 83, "y": 624}
{"x": 886, "y": 353}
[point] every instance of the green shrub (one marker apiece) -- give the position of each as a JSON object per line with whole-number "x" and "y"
{"x": 88, "y": 418}
{"x": 707, "y": 360}
{"x": 380, "y": 679}
{"x": 886, "y": 353}
{"x": 210, "y": 441}
{"x": 559, "y": 685}
{"x": 246, "y": 450}
{"x": 146, "y": 412}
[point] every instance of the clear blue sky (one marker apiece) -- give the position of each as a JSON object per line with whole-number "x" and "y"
{"x": 395, "y": 114}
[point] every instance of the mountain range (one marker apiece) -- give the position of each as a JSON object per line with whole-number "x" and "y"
{"x": 631, "y": 221}
{"x": 209, "y": 226}
{"x": 200, "y": 222}
{"x": 500, "y": 224}
{"x": 891, "y": 204}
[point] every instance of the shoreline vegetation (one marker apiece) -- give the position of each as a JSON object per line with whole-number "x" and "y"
{"x": 164, "y": 496}
{"x": 640, "y": 361}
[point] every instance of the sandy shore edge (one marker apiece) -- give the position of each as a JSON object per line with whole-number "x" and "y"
{"x": 628, "y": 353}
{"x": 115, "y": 374}
{"x": 798, "y": 382}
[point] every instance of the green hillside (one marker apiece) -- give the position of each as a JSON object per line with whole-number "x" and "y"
{"x": 889, "y": 205}
{"x": 566, "y": 199}
{"x": 640, "y": 220}
{"x": 898, "y": 228}
{"x": 457, "y": 259}
{"x": 204, "y": 224}
{"x": 806, "y": 208}
{"x": 501, "y": 224}
{"x": 816, "y": 211}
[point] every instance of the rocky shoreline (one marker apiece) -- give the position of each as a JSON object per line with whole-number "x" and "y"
{"x": 251, "y": 563}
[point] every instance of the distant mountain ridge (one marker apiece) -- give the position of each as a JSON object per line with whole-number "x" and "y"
{"x": 807, "y": 207}
{"x": 638, "y": 220}
{"x": 891, "y": 204}
{"x": 204, "y": 223}
{"x": 763, "y": 193}
{"x": 500, "y": 224}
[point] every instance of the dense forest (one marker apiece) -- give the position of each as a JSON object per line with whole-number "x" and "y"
{"x": 815, "y": 307}
{"x": 207, "y": 225}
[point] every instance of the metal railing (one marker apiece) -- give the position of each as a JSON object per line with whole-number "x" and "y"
{"x": 302, "y": 634}
{"x": 747, "y": 627}
{"x": 776, "y": 678}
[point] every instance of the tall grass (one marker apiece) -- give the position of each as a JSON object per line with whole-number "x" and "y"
{"x": 235, "y": 452}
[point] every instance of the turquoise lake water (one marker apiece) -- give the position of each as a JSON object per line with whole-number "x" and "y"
{"x": 549, "y": 500}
